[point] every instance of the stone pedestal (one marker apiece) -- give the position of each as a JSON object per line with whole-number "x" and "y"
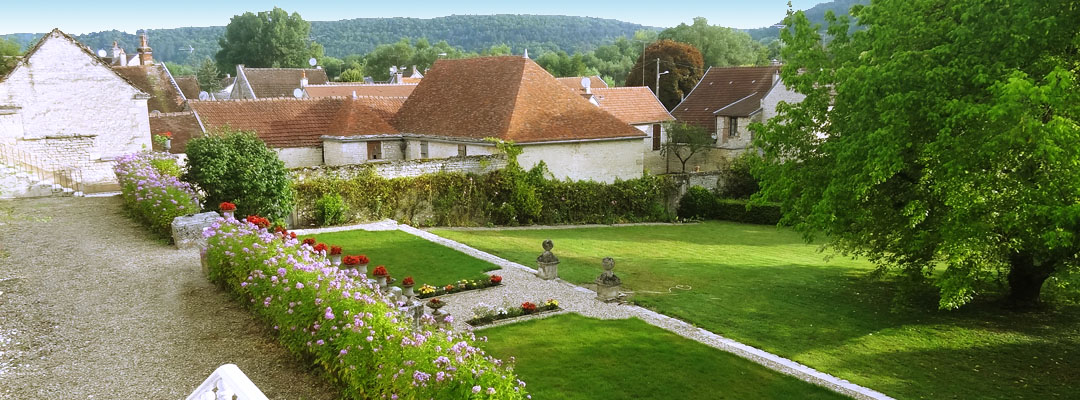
{"x": 607, "y": 284}
{"x": 547, "y": 265}
{"x": 187, "y": 231}
{"x": 395, "y": 295}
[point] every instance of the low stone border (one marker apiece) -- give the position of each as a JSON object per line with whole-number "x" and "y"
{"x": 384, "y": 225}
{"x": 528, "y": 227}
{"x": 519, "y": 318}
{"x": 418, "y": 295}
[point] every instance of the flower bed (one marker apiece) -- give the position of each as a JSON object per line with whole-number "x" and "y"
{"x": 334, "y": 318}
{"x": 484, "y": 314}
{"x": 463, "y": 285}
{"x": 152, "y": 191}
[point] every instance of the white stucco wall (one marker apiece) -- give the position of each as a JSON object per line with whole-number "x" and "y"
{"x": 337, "y": 152}
{"x": 601, "y": 161}
{"x": 297, "y": 157}
{"x": 65, "y": 107}
{"x": 778, "y": 93}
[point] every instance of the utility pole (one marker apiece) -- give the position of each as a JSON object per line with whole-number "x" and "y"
{"x": 658, "y": 73}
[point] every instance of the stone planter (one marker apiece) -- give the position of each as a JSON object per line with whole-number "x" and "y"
{"x": 228, "y": 214}
{"x": 547, "y": 270}
{"x": 335, "y": 259}
{"x": 381, "y": 280}
{"x": 407, "y": 291}
{"x": 167, "y": 145}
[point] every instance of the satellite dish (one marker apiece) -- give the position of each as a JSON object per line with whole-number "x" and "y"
{"x": 586, "y": 82}
{"x": 204, "y": 96}
{"x": 155, "y": 113}
{"x": 312, "y": 61}
{"x": 393, "y": 69}
{"x": 101, "y": 53}
{"x": 298, "y": 93}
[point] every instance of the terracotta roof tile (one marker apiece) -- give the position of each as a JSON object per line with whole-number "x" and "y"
{"x": 368, "y": 89}
{"x": 280, "y": 82}
{"x": 513, "y": 99}
{"x": 164, "y": 95}
{"x": 633, "y": 105}
{"x": 189, "y": 86}
{"x": 720, "y": 88}
{"x": 574, "y": 82}
{"x": 385, "y": 106}
{"x": 183, "y": 126}
{"x": 294, "y": 122}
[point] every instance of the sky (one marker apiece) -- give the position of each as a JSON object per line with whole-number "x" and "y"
{"x": 84, "y": 16}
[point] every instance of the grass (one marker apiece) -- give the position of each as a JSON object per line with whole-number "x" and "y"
{"x": 407, "y": 255}
{"x": 765, "y": 287}
{"x": 630, "y": 359}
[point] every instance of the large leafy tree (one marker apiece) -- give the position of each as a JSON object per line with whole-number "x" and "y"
{"x": 9, "y": 52}
{"x": 685, "y": 140}
{"x": 272, "y": 38}
{"x": 941, "y": 141}
{"x": 406, "y": 53}
{"x": 720, "y": 46}
{"x": 683, "y": 62}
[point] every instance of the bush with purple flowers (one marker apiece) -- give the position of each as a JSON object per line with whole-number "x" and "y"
{"x": 152, "y": 191}
{"x": 338, "y": 320}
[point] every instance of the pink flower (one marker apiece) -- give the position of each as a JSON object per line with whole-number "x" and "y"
{"x": 329, "y": 313}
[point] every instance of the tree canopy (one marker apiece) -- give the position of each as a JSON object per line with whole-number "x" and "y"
{"x": 272, "y": 38}
{"x": 941, "y": 141}
{"x": 208, "y": 76}
{"x": 682, "y": 60}
{"x": 720, "y": 46}
{"x": 9, "y": 49}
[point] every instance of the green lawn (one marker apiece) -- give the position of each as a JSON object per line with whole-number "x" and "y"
{"x": 407, "y": 255}
{"x": 573, "y": 357}
{"x": 766, "y": 288}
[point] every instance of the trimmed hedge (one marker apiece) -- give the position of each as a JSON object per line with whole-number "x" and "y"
{"x": 152, "y": 191}
{"x": 338, "y": 321}
{"x": 700, "y": 203}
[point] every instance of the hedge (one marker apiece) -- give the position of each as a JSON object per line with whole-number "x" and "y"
{"x": 699, "y": 202}
{"x": 152, "y": 191}
{"x": 339, "y": 322}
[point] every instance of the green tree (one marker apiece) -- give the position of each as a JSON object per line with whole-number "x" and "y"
{"x": 941, "y": 141}
{"x": 179, "y": 69}
{"x": 208, "y": 76}
{"x": 9, "y": 52}
{"x": 237, "y": 167}
{"x": 682, "y": 60}
{"x": 333, "y": 66}
{"x": 685, "y": 140}
{"x": 561, "y": 64}
{"x": 272, "y": 38}
{"x": 720, "y": 46}
{"x": 501, "y": 49}
{"x": 351, "y": 75}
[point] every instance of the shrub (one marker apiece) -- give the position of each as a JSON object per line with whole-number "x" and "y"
{"x": 698, "y": 202}
{"x": 151, "y": 191}
{"x": 330, "y": 209}
{"x": 738, "y": 183}
{"x": 336, "y": 319}
{"x": 236, "y": 166}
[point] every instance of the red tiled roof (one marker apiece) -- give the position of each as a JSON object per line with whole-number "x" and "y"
{"x": 719, "y": 88}
{"x": 189, "y": 86}
{"x": 294, "y": 122}
{"x": 183, "y": 126}
{"x": 164, "y": 96}
{"x": 280, "y": 82}
{"x": 369, "y": 89}
{"x": 633, "y": 104}
{"x": 574, "y": 82}
{"x": 512, "y": 99}
{"x": 385, "y": 106}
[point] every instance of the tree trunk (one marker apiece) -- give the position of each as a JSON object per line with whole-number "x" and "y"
{"x": 1026, "y": 278}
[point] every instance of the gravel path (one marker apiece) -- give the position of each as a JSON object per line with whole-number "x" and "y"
{"x": 92, "y": 307}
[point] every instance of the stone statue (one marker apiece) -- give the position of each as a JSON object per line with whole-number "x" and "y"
{"x": 547, "y": 265}
{"x": 607, "y": 284}
{"x": 547, "y": 256}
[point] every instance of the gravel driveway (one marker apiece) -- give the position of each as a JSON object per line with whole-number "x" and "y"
{"x": 92, "y": 306}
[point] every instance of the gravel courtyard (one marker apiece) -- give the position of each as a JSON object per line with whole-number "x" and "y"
{"x": 92, "y": 306}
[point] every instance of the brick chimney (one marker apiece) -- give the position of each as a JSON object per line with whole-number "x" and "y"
{"x": 303, "y": 79}
{"x": 146, "y": 57}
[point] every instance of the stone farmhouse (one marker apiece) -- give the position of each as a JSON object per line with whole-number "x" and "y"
{"x": 65, "y": 114}
{"x": 266, "y": 83}
{"x": 725, "y": 101}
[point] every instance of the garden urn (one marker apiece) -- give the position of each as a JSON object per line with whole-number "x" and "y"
{"x": 335, "y": 259}
{"x": 228, "y": 214}
{"x": 167, "y": 145}
{"x": 381, "y": 279}
{"x": 607, "y": 284}
{"x": 547, "y": 264}
{"x": 407, "y": 291}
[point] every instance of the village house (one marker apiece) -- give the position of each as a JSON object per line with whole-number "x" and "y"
{"x": 725, "y": 101}
{"x": 69, "y": 113}
{"x": 266, "y": 83}
{"x": 403, "y": 75}
{"x": 359, "y": 90}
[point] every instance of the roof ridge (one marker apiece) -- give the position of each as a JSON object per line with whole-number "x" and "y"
{"x": 279, "y": 68}
{"x": 173, "y": 114}
{"x": 268, "y": 99}
{"x": 514, "y": 109}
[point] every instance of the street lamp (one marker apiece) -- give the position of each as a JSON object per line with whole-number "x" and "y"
{"x": 658, "y": 73}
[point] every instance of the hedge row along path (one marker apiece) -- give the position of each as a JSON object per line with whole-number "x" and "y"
{"x": 520, "y": 284}
{"x": 91, "y": 307}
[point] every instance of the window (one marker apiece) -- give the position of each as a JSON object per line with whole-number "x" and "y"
{"x": 423, "y": 149}
{"x": 656, "y": 137}
{"x": 374, "y": 150}
{"x": 461, "y": 150}
{"x": 733, "y": 127}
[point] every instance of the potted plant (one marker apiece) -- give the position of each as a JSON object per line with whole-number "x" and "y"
{"x": 309, "y": 242}
{"x": 320, "y": 248}
{"x": 335, "y": 255}
{"x": 380, "y": 275}
{"x": 435, "y": 304}
{"x": 351, "y": 261}
{"x": 495, "y": 280}
{"x": 227, "y": 209}
{"x": 258, "y": 221}
{"x": 164, "y": 140}
{"x": 407, "y": 286}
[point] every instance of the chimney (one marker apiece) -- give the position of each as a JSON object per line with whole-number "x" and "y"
{"x": 526, "y": 55}
{"x": 354, "y": 95}
{"x": 146, "y": 57}
{"x": 118, "y": 56}
{"x": 303, "y": 78}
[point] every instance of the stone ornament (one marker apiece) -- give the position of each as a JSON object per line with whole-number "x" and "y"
{"x": 608, "y": 284}
{"x": 547, "y": 263}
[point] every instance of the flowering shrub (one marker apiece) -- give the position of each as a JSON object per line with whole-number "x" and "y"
{"x": 379, "y": 271}
{"x": 258, "y": 221}
{"x": 459, "y": 286}
{"x": 335, "y": 250}
{"x": 485, "y": 313}
{"x": 339, "y": 321}
{"x": 227, "y": 206}
{"x": 426, "y": 290}
{"x": 152, "y": 194}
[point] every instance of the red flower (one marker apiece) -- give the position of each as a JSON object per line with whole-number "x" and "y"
{"x": 528, "y": 307}
{"x": 408, "y": 281}
{"x": 380, "y": 271}
{"x": 363, "y": 259}
{"x": 258, "y": 221}
{"x": 320, "y": 247}
{"x": 168, "y": 135}
{"x": 351, "y": 260}
{"x": 309, "y": 242}
{"x": 292, "y": 235}
{"x": 227, "y": 206}
{"x": 335, "y": 250}
{"x": 496, "y": 279}
{"x": 449, "y": 288}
